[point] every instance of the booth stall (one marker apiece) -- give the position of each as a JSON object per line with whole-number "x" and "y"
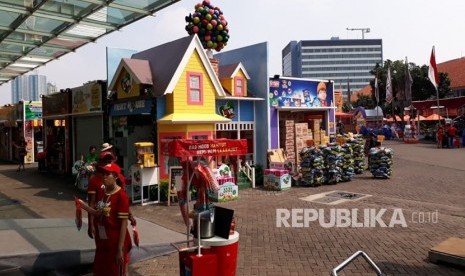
{"x": 87, "y": 116}
{"x": 57, "y": 119}
{"x": 301, "y": 110}
{"x": 217, "y": 243}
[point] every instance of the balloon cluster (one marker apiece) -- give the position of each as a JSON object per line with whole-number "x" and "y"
{"x": 209, "y": 24}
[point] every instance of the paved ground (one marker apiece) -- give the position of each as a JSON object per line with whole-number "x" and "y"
{"x": 425, "y": 180}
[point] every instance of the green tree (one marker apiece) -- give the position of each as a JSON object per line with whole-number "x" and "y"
{"x": 422, "y": 88}
{"x": 365, "y": 101}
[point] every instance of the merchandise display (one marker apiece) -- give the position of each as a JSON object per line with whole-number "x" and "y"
{"x": 348, "y": 170}
{"x": 333, "y": 163}
{"x": 312, "y": 167}
{"x": 357, "y": 143}
{"x": 380, "y": 162}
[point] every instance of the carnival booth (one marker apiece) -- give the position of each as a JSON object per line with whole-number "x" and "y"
{"x": 87, "y": 116}
{"x": 217, "y": 242}
{"x": 58, "y": 132}
{"x": 302, "y": 111}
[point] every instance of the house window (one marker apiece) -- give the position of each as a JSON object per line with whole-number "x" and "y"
{"x": 238, "y": 86}
{"x": 194, "y": 88}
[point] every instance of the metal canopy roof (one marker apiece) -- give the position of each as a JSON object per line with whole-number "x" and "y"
{"x": 34, "y": 32}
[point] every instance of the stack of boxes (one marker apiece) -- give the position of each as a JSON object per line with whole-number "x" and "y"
{"x": 277, "y": 176}
{"x": 302, "y": 135}
{"x": 286, "y": 136}
{"x": 315, "y": 128}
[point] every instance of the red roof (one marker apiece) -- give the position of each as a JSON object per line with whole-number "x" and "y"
{"x": 456, "y": 70}
{"x": 364, "y": 91}
{"x": 452, "y": 104}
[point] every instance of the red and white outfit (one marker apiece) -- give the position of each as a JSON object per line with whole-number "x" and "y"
{"x": 107, "y": 232}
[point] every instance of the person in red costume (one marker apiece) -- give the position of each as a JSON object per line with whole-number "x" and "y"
{"x": 111, "y": 214}
{"x": 96, "y": 186}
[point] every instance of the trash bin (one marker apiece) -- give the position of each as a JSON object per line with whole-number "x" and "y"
{"x": 225, "y": 251}
{"x": 192, "y": 265}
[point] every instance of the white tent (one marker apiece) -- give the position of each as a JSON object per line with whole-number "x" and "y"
{"x": 374, "y": 114}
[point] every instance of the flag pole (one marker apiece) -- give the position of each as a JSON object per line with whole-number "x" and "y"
{"x": 437, "y": 91}
{"x": 437, "y": 103}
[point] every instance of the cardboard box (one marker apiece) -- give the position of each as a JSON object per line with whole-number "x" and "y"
{"x": 289, "y": 123}
{"x": 301, "y": 129}
{"x": 315, "y": 124}
{"x": 277, "y": 183}
{"x": 276, "y": 155}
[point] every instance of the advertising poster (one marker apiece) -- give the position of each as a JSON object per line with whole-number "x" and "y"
{"x": 33, "y": 110}
{"x": 87, "y": 98}
{"x": 29, "y": 138}
{"x": 300, "y": 93}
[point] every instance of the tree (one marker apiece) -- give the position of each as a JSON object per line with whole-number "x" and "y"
{"x": 422, "y": 88}
{"x": 365, "y": 101}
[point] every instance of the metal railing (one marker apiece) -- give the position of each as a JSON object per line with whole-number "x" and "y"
{"x": 352, "y": 258}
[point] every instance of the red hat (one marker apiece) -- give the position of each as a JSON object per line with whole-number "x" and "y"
{"x": 114, "y": 168}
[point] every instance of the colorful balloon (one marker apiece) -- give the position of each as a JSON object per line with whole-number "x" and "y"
{"x": 210, "y": 25}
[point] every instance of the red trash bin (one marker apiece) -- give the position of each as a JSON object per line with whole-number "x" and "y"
{"x": 225, "y": 251}
{"x": 192, "y": 265}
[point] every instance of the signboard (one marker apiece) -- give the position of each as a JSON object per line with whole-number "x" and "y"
{"x": 175, "y": 178}
{"x": 131, "y": 107}
{"x": 33, "y": 110}
{"x": 56, "y": 104}
{"x": 218, "y": 147}
{"x": 87, "y": 98}
{"x": 300, "y": 93}
{"x": 227, "y": 110}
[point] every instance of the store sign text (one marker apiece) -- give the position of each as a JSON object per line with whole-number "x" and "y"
{"x": 131, "y": 106}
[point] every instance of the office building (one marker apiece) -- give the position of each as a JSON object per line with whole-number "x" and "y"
{"x": 28, "y": 88}
{"x": 339, "y": 60}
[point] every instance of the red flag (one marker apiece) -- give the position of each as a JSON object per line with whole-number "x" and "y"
{"x": 433, "y": 70}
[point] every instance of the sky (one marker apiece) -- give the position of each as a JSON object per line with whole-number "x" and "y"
{"x": 408, "y": 28}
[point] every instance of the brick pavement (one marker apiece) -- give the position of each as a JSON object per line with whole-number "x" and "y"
{"x": 425, "y": 179}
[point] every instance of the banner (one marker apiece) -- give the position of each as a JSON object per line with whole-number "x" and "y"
{"x": 300, "y": 93}
{"x": 87, "y": 98}
{"x": 218, "y": 147}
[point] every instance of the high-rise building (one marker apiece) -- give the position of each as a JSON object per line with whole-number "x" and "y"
{"x": 51, "y": 88}
{"x": 339, "y": 60}
{"x": 28, "y": 88}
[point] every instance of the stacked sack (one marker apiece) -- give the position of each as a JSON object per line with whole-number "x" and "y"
{"x": 357, "y": 144}
{"x": 380, "y": 162}
{"x": 312, "y": 167}
{"x": 333, "y": 163}
{"x": 348, "y": 170}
